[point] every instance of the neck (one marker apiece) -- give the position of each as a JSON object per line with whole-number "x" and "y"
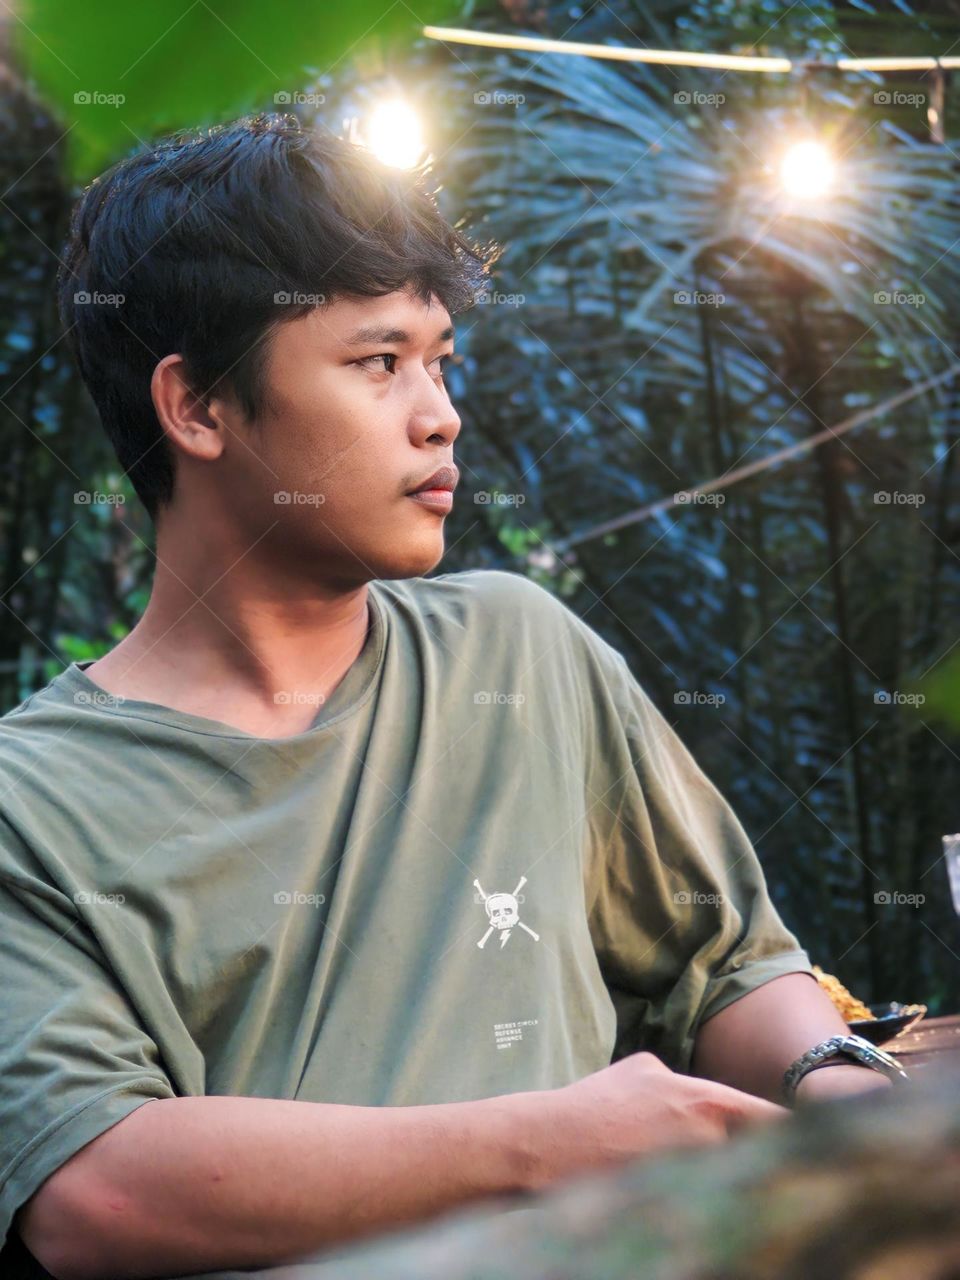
{"x": 224, "y": 629}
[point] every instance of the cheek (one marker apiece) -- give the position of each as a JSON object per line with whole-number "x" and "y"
{"x": 324, "y": 431}
{"x": 340, "y": 438}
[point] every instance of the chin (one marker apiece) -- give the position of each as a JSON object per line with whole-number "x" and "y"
{"x": 414, "y": 560}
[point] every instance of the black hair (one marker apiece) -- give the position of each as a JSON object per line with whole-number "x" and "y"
{"x": 191, "y": 246}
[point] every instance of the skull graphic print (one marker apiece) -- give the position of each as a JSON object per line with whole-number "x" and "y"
{"x": 503, "y": 912}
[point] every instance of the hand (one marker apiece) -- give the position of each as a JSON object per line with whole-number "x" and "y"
{"x": 636, "y": 1107}
{"x": 839, "y": 1080}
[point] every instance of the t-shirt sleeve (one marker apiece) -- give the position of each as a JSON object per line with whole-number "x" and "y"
{"x": 679, "y": 910}
{"x": 74, "y": 1057}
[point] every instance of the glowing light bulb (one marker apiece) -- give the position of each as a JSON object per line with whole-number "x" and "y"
{"x": 807, "y": 170}
{"x": 395, "y": 135}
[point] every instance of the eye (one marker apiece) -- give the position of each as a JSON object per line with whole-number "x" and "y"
{"x": 389, "y": 359}
{"x": 383, "y": 355}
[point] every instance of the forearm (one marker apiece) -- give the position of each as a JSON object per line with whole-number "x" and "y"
{"x": 749, "y": 1044}
{"x": 188, "y": 1185}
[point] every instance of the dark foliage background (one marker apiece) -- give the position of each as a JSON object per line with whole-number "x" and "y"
{"x": 777, "y": 629}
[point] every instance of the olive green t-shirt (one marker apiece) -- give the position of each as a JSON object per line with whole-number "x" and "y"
{"x": 490, "y": 865}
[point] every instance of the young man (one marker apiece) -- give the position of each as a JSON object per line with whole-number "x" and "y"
{"x": 392, "y": 892}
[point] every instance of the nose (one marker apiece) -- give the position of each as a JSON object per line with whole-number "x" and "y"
{"x": 434, "y": 419}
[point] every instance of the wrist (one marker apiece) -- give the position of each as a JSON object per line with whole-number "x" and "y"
{"x": 839, "y": 1079}
{"x": 527, "y": 1124}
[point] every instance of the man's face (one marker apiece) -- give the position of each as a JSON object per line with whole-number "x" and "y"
{"x": 358, "y": 417}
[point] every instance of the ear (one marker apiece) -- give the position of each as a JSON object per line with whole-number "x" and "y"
{"x": 191, "y": 423}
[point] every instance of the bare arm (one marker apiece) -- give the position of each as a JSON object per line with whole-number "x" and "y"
{"x": 184, "y": 1185}
{"x": 749, "y": 1044}
{"x": 194, "y": 1184}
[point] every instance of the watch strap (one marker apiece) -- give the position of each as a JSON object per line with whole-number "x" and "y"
{"x": 838, "y": 1050}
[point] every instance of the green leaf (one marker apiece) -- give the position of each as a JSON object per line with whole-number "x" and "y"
{"x": 153, "y": 68}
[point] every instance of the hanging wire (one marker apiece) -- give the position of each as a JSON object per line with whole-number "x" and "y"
{"x": 729, "y": 478}
{"x": 731, "y": 62}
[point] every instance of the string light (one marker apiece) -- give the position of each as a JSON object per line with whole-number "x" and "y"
{"x": 807, "y": 170}
{"x": 394, "y": 134}
{"x": 679, "y": 57}
{"x": 711, "y": 61}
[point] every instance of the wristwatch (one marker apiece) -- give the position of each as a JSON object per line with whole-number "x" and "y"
{"x": 839, "y": 1049}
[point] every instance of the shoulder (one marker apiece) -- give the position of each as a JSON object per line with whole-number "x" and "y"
{"x": 503, "y": 613}
{"x": 495, "y": 595}
{"x": 42, "y": 745}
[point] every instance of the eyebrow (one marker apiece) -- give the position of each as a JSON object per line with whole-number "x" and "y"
{"x": 381, "y": 333}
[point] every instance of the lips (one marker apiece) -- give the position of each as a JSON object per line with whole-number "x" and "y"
{"x": 446, "y": 478}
